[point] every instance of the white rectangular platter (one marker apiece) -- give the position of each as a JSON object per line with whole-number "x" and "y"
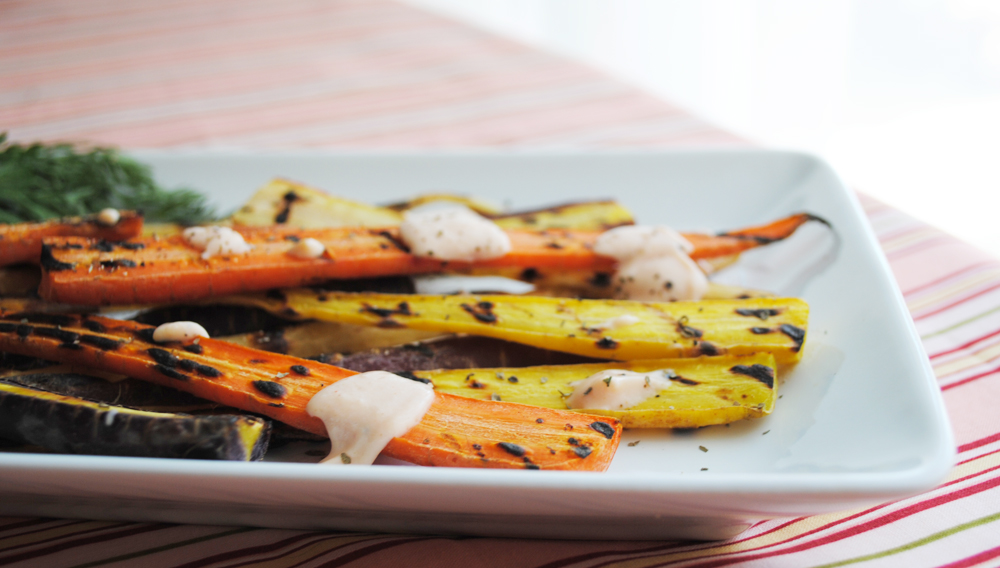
{"x": 860, "y": 420}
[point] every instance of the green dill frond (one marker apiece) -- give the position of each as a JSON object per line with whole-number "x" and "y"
{"x": 45, "y": 181}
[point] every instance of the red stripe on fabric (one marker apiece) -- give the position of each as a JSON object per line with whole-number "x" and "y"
{"x": 957, "y": 303}
{"x": 967, "y": 380}
{"x": 974, "y": 559}
{"x": 979, "y": 457}
{"x": 955, "y": 274}
{"x": 135, "y": 530}
{"x": 979, "y": 443}
{"x": 965, "y": 345}
{"x": 839, "y": 521}
{"x": 864, "y": 527}
{"x": 827, "y": 526}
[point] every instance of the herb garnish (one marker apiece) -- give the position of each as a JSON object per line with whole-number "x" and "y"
{"x": 46, "y": 181}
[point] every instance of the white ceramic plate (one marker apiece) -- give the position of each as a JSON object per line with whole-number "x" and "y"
{"x": 860, "y": 420}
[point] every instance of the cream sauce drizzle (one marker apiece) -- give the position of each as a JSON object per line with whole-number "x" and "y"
{"x": 216, "y": 241}
{"x": 617, "y": 389}
{"x": 653, "y": 264}
{"x": 456, "y": 233}
{"x": 362, "y": 413}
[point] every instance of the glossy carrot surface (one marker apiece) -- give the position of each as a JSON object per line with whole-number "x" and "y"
{"x": 456, "y": 431}
{"x": 22, "y": 242}
{"x": 153, "y": 270}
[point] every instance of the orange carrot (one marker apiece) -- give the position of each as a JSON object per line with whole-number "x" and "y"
{"x": 169, "y": 270}
{"x": 735, "y": 242}
{"x": 22, "y": 242}
{"x": 456, "y": 431}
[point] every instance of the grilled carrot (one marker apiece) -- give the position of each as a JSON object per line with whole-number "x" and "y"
{"x": 455, "y": 431}
{"x": 22, "y": 242}
{"x": 154, "y": 270}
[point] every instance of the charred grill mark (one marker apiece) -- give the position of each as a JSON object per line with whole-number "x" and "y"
{"x": 762, "y": 373}
{"x": 606, "y": 343}
{"x": 300, "y": 370}
{"x": 163, "y": 357}
{"x": 530, "y": 274}
{"x": 760, "y": 330}
{"x": 145, "y": 334}
{"x": 203, "y": 370}
{"x": 103, "y": 246}
{"x": 761, "y": 240}
{"x": 116, "y": 263}
{"x": 394, "y": 240}
{"x": 292, "y": 238}
{"x": 24, "y": 330}
{"x": 282, "y": 216}
{"x": 402, "y": 309}
{"x": 270, "y": 388}
{"x": 604, "y": 429}
{"x": 601, "y": 280}
{"x": 554, "y": 245}
{"x": 683, "y": 381}
{"x": 512, "y": 449}
{"x": 8, "y": 327}
{"x": 483, "y": 311}
{"x": 707, "y": 348}
{"x": 476, "y": 384}
{"x": 582, "y": 451}
{"x": 132, "y": 246}
{"x": 164, "y": 370}
{"x": 687, "y": 331}
{"x": 275, "y": 294}
{"x": 194, "y": 348}
{"x": 60, "y": 334}
{"x": 50, "y": 263}
{"x": 103, "y": 343}
{"x": 95, "y": 326}
{"x": 51, "y": 319}
{"x": 412, "y": 377}
{"x": 761, "y": 314}
{"x": 797, "y": 334}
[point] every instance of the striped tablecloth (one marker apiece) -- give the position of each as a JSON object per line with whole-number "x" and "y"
{"x": 374, "y": 74}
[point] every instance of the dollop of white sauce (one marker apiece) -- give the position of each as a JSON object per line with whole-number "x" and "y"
{"x": 178, "y": 331}
{"x": 216, "y": 241}
{"x": 109, "y": 217}
{"x": 617, "y": 389}
{"x": 362, "y": 413}
{"x": 653, "y": 264}
{"x": 618, "y": 322}
{"x": 456, "y": 233}
{"x": 307, "y": 248}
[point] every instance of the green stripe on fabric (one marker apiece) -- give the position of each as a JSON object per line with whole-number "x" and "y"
{"x": 959, "y": 324}
{"x": 917, "y": 543}
{"x": 164, "y": 547}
